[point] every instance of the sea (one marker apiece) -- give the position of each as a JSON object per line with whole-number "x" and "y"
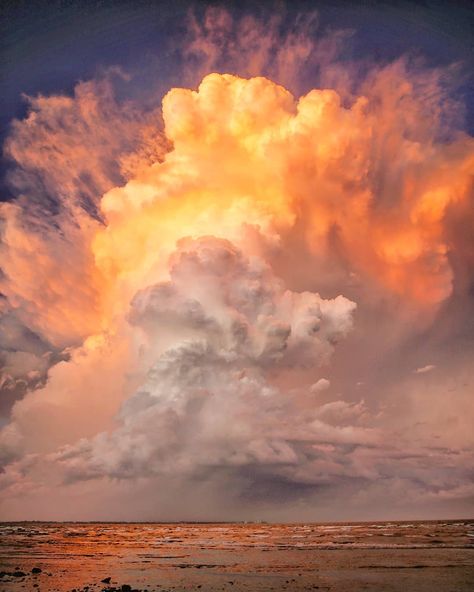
{"x": 342, "y": 557}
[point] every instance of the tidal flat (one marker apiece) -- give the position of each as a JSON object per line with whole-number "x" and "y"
{"x": 342, "y": 557}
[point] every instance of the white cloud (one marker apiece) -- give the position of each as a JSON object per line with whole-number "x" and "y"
{"x": 222, "y": 328}
{"x": 321, "y": 385}
{"x": 425, "y": 369}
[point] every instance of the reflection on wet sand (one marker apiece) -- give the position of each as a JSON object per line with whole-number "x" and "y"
{"x": 92, "y": 557}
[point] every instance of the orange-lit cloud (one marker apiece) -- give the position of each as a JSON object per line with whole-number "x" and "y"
{"x": 247, "y": 152}
{"x": 154, "y": 270}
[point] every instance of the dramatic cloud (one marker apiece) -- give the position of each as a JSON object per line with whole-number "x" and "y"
{"x": 228, "y": 288}
{"x": 227, "y": 327}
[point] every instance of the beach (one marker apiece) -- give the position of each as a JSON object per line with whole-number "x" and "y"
{"x": 343, "y": 557}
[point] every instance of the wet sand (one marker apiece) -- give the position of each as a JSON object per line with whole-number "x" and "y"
{"x": 396, "y": 556}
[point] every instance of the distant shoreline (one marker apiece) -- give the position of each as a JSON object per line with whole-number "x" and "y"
{"x": 242, "y": 522}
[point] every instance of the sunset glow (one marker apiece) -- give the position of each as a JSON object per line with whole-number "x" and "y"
{"x": 241, "y": 287}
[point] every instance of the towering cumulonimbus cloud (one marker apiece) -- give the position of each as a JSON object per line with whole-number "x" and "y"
{"x": 169, "y": 311}
{"x": 222, "y": 328}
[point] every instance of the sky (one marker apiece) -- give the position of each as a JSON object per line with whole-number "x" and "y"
{"x": 236, "y": 261}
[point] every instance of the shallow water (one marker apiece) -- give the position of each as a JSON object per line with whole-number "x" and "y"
{"x": 391, "y": 556}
